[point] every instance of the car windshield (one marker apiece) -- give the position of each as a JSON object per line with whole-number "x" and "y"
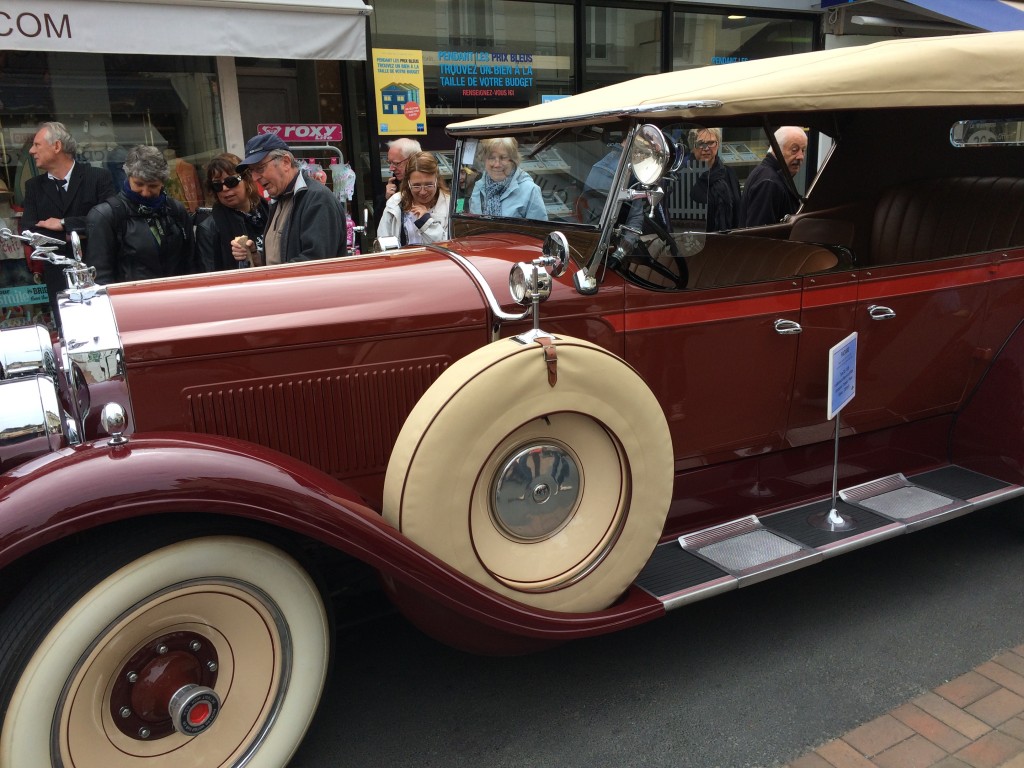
{"x": 565, "y": 176}
{"x": 540, "y": 176}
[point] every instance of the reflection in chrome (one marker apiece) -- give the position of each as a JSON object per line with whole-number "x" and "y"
{"x": 113, "y": 421}
{"x": 26, "y": 351}
{"x": 536, "y": 492}
{"x": 30, "y": 419}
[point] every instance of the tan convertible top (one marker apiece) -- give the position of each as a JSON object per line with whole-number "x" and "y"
{"x": 981, "y": 69}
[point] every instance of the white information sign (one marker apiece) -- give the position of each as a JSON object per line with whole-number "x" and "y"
{"x": 842, "y": 374}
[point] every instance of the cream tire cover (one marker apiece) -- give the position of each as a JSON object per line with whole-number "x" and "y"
{"x": 554, "y": 496}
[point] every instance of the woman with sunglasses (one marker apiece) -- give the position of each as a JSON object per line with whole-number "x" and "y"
{"x": 238, "y": 209}
{"x": 717, "y": 186}
{"x": 419, "y": 213}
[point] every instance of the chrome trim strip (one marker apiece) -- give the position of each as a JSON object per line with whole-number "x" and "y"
{"x": 851, "y": 543}
{"x": 562, "y": 120}
{"x": 500, "y": 315}
{"x": 699, "y": 592}
{"x": 996, "y": 497}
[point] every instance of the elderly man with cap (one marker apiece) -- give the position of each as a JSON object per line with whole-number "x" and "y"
{"x": 57, "y": 200}
{"x": 305, "y": 220}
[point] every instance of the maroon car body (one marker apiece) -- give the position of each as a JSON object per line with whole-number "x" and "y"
{"x": 198, "y": 462}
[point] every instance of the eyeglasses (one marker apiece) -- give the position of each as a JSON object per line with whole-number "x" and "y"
{"x": 392, "y": 164}
{"x": 706, "y": 144}
{"x": 421, "y": 187}
{"x": 230, "y": 182}
{"x": 257, "y": 170}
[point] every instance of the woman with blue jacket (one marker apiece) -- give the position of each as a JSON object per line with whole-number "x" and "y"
{"x": 505, "y": 189}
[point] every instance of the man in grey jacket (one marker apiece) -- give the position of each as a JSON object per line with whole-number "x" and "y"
{"x": 305, "y": 219}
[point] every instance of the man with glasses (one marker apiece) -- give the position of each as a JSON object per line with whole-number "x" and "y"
{"x": 305, "y": 220}
{"x": 769, "y": 194}
{"x": 399, "y": 152}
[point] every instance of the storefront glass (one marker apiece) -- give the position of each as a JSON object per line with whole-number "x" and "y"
{"x": 700, "y": 39}
{"x": 109, "y": 102}
{"x": 528, "y": 34}
{"x": 620, "y": 43}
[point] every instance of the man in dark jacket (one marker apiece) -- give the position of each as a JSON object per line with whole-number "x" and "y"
{"x": 57, "y": 201}
{"x": 769, "y": 195}
{"x": 305, "y": 219}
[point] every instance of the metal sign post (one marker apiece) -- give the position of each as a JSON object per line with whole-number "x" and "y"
{"x": 842, "y": 386}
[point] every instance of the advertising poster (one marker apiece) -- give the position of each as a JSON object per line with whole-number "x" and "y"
{"x": 470, "y": 76}
{"x": 398, "y": 85}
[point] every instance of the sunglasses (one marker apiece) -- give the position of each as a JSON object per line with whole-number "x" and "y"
{"x": 230, "y": 182}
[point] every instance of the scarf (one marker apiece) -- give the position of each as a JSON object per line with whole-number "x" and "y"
{"x": 493, "y": 190}
{"x": 150, "y": 207}
{"x": 145, "y": 204}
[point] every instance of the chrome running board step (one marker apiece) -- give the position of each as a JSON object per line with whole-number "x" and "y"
{"x": 751, "y": 549}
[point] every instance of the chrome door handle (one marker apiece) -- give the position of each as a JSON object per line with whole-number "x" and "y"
{"x": 878, "y": 312}
{"x": 787, "y": 327}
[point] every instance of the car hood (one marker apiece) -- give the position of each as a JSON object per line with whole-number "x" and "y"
{"x": 411, "y": 291}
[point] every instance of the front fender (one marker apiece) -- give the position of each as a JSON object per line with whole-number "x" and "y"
{"x": 80, "y": 488}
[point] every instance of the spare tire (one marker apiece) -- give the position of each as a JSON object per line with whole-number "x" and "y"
{"x": 553, "y": 495}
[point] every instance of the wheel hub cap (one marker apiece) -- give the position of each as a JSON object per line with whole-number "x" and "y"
{"x": 147, "y": 702}
{"x": 536, "y": 491}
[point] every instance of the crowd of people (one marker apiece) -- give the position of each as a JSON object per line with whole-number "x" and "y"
{"x": 138, "y": 231}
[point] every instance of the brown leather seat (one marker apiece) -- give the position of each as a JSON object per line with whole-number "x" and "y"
{"x": 946, "y": 217}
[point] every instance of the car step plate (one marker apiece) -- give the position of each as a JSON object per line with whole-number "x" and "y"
{"x": 745, "y": 551}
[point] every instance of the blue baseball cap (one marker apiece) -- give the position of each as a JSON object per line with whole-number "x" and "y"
{"x": 258, "y": 147}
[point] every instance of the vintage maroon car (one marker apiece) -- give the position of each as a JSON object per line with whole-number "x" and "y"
{"x": 201, "y": 471}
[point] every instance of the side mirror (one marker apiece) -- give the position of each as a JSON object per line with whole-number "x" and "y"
{"x": 556, "y": 251}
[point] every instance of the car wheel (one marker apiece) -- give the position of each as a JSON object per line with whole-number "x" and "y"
{"x": 554, "y": 496}
{"x": 211, "y": 651}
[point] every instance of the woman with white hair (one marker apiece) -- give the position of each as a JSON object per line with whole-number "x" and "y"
{"x": 505, "y": 189}
{"x": 140, "y": 233}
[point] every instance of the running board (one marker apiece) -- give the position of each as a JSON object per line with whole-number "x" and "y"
{"x": 741, "y": 552}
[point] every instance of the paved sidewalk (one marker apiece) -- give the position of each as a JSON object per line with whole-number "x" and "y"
{"x": 973, "y": 721}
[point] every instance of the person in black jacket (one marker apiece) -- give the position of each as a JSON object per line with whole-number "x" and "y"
{"x": 57, "y": 201}
{"x": 237, "y": 210}
{"x": 717, "y": 187}
{"x": 140, "y": 233}
{"x": 306, "y": 221}
{"x": 768, "y": 196}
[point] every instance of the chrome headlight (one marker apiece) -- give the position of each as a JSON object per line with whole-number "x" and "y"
{"x": 524, "y": 279}
{"x": 30, "y": 420}
{"x": 26, "y": 351}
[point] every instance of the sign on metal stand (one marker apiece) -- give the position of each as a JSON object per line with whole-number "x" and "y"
{"x": 842, "y": 387}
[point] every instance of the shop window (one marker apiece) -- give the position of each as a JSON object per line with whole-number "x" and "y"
{"x": 111, "y": 102}
{"x": 620, "y": 43}
{"x": 700, "y": 39}
{"x": 488, "y": 36}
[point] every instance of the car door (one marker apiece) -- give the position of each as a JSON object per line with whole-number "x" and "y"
{"x": 721, "y": 362}
{"x": 921, "y": 343}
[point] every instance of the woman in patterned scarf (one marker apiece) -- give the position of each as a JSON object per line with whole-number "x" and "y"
{"x": 505, "y": 189}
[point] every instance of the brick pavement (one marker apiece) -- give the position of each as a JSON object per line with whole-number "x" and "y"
{"x": 973, "y": 721}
